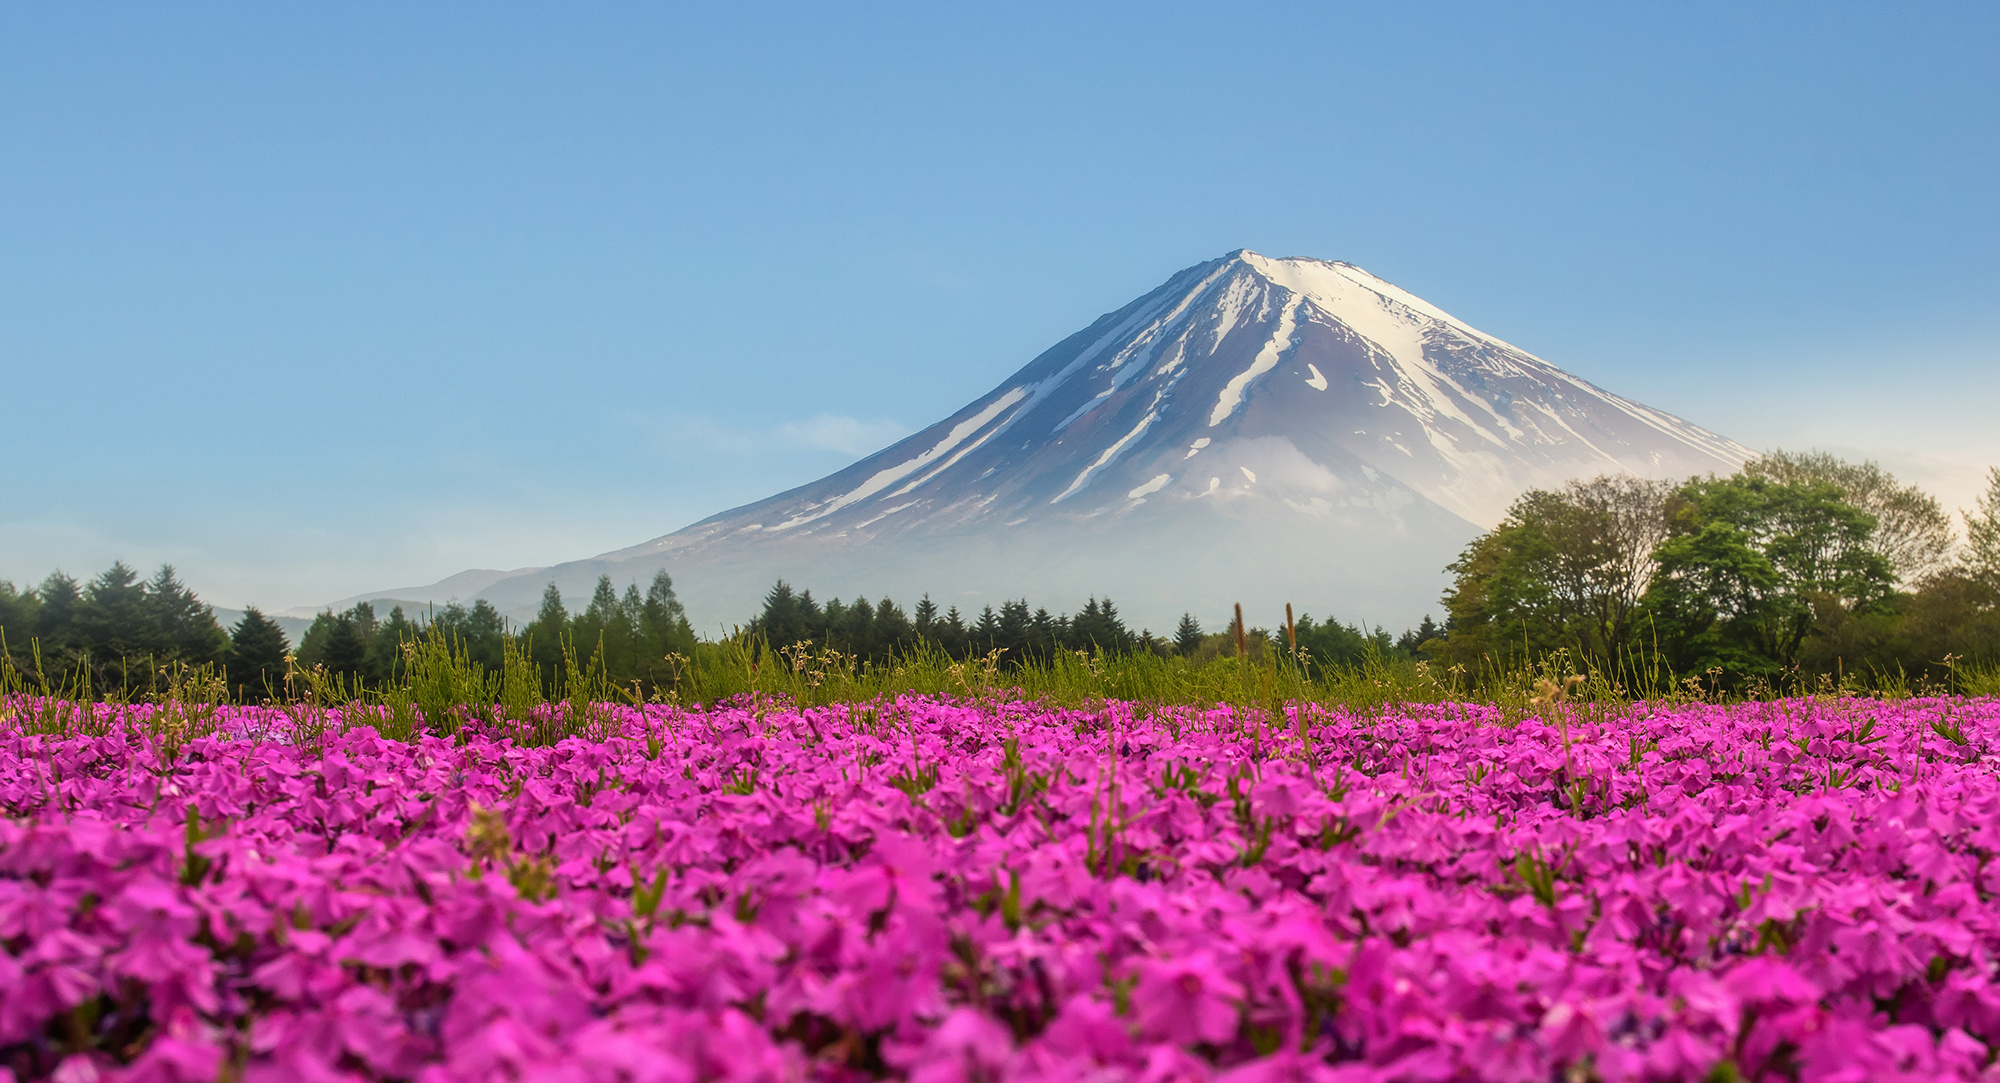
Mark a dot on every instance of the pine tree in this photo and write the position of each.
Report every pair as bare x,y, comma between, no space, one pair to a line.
952,634
1117,638
926,615
386,660
346,651
894,634
59,623
312,645
598,631
19,610
1097,627
667,638
117,629
663,620
548,633
481,632
1412,642
791,618
484,633
1012,634
338,643
985,633
855,631
257,650
1046,632
367,631
183,629
1187,638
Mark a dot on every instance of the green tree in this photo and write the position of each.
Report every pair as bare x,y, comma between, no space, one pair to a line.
343,644
852,627
664,629
59,619
481,632
184,629
1565,570
1746,564
984,634
789,617
346,651
386,660
548,634
1098,628
1982,533
1412,642
894,634
1912,531
1011,632
1331,643
952,634
257,650
607,631
116,624
19,610
1046,634
1187,637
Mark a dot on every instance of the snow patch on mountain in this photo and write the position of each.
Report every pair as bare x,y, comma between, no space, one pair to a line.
1265,361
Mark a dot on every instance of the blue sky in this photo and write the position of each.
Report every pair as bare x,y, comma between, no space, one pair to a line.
316,299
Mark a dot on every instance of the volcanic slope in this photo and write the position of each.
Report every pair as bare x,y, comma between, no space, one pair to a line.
1258,430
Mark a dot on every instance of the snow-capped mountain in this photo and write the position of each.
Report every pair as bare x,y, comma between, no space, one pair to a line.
1258,430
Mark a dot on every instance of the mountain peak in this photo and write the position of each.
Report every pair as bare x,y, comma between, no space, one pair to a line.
1254,428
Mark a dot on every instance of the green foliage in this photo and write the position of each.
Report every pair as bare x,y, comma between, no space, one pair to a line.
1982,534
546,635
1747,567
344,645
1780,577
1777,577
880,631
446,686
257,650
18,612
1331,643
64,648
1564,571
1912,531
1187,637
184,630
121,631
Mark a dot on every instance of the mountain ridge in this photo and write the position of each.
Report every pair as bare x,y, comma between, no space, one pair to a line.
1254,429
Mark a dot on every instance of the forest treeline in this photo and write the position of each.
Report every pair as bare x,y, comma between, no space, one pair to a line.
1796,567
1017,634
119,634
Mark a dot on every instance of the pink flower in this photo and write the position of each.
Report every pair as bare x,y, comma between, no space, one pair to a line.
1088,1029
1767,979
967,1046
176,1060
1289,1066
1186,1000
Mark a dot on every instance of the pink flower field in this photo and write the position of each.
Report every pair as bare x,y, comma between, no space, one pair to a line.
935,890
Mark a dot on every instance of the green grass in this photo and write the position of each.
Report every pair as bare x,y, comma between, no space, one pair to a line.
443,690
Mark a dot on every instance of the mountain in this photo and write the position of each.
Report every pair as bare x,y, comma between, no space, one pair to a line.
1257,430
